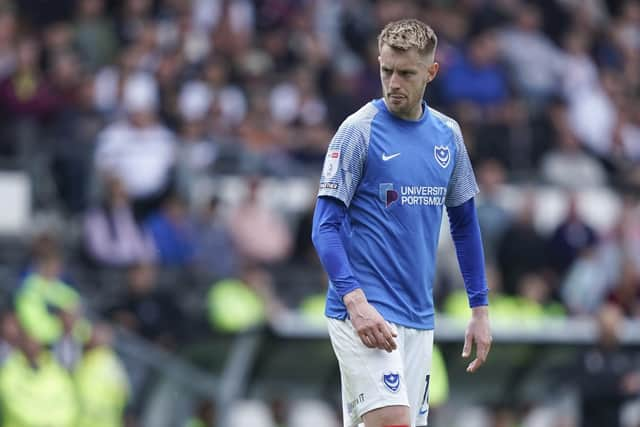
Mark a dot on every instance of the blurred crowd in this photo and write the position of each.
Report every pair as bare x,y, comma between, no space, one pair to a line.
119,110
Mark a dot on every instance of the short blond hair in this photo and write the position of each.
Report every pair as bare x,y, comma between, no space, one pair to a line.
408,33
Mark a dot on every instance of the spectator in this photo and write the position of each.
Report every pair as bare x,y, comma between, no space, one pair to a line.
147,310
567,165
535,63
173,233
133,17
229,100
214,250
626,292
477,78
73,141
198,151
94,34
8,27
585,285
236,305
612,368
101,382
260,234
68,348
113,237
139,150
65,74
42,297
521,249
46,397
259,133
493,217
569,239
9,334
581,74
26,93
593,113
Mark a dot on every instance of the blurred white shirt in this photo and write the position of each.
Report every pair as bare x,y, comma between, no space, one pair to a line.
141,157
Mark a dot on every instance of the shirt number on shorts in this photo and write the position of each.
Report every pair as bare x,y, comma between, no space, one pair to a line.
425,397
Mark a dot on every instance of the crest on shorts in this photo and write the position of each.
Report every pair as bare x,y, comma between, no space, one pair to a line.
442,155
391,381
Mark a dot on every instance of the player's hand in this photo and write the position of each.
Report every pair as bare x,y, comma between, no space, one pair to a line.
479,331
371,327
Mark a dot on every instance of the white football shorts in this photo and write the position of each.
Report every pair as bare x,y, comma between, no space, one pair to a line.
373,378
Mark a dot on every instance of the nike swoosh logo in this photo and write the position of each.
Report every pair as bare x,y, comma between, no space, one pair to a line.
387,158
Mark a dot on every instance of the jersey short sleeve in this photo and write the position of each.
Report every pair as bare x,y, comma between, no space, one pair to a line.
462,185
345,159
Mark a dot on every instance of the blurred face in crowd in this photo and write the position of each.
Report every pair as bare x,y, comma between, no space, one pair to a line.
142,279
50,266
66,70
404,75
9,328
28,54
136,8
7,27
609,321
101,336
91,8
529,18
484,49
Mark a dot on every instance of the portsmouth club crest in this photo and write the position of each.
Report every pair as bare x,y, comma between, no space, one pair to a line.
442,155
391,381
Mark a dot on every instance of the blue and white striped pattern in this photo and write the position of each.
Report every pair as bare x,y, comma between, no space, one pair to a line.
352,142
462,185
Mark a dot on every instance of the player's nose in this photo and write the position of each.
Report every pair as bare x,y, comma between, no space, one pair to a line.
394,82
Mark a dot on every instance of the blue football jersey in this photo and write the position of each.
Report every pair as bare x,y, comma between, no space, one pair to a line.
395,176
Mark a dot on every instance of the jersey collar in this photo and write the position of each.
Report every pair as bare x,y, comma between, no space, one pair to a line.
382,106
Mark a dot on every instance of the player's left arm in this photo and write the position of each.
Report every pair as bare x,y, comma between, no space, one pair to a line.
465,231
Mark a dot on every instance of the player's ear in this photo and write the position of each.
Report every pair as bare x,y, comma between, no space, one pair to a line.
432,71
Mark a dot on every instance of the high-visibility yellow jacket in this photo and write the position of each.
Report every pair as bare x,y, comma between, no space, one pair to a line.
102,388
42,397
34,301
234,307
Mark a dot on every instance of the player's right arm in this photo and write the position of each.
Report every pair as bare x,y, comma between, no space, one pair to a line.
341,174
371,327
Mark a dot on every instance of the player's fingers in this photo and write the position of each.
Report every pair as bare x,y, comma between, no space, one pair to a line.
473,366
366,340
381,341
394,330
388,337
466,349
482,348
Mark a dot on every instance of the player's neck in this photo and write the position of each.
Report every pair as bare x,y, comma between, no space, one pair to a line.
414,115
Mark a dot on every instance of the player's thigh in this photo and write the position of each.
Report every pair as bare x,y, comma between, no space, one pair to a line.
397,416
417,361
371,378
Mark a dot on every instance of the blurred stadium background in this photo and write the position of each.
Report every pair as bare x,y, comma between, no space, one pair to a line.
158,168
